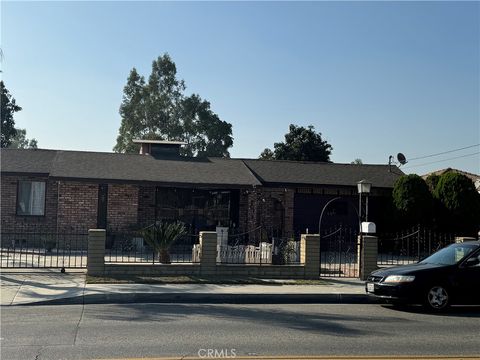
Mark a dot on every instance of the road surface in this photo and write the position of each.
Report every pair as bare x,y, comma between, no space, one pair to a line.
148,330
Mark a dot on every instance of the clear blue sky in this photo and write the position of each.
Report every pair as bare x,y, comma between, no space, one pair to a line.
375,78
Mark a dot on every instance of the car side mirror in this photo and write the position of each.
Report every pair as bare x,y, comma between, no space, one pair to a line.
473,261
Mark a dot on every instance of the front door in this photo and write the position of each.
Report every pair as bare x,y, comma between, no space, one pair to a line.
102,206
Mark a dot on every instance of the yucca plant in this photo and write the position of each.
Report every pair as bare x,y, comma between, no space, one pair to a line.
161,236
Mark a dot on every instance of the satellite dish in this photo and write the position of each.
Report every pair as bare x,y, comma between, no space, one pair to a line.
401,159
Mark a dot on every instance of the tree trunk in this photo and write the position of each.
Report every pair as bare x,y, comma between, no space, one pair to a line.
164,256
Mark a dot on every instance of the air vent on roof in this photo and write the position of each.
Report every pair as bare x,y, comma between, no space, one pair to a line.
160,148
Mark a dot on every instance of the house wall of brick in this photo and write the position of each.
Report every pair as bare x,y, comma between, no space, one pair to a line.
269,207
122,207
11,222
146,205
77,206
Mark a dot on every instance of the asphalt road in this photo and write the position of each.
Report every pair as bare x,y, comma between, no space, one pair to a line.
147,330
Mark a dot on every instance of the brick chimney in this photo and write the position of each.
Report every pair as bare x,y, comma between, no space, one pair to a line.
160,149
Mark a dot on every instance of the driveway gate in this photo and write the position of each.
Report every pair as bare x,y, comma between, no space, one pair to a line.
43,250
339,250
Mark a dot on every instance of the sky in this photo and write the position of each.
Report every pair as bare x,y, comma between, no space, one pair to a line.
375,78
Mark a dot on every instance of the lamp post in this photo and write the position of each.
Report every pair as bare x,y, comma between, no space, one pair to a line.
363,187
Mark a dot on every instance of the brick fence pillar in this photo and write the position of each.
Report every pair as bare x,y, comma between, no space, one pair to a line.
310,255
96,252
208,259
368,255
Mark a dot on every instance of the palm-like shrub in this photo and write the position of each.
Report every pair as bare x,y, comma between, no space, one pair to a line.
162,236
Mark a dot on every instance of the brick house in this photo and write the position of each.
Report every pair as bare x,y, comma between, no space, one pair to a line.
63,191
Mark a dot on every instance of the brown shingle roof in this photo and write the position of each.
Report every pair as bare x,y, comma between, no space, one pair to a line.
127,167
315,173
211,171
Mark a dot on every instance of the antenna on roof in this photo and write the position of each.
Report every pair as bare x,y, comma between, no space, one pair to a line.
401,159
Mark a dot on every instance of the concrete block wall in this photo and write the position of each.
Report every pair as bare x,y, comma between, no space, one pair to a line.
208,266
152,270
208,257
310,255
96,252
368,255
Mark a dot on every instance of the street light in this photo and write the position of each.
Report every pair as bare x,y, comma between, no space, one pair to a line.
363,187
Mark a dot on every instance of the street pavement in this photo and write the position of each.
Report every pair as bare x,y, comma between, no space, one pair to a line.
103,331
53,287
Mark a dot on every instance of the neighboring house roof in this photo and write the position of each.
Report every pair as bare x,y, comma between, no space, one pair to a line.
211,171
312,173
474,177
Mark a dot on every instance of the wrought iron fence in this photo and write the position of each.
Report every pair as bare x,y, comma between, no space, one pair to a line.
43,250
258,246
131,247
411,245
339,250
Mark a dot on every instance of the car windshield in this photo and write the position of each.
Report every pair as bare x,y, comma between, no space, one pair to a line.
449,255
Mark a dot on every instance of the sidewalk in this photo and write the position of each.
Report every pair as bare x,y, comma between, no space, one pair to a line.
44,287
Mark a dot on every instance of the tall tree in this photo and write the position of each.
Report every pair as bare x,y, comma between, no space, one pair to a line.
159,110
8,108
133,112
203,131
20,141
301,144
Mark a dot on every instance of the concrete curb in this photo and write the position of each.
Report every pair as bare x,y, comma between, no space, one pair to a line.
205,298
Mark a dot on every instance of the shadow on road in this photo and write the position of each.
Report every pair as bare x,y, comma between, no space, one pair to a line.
455,311
321,323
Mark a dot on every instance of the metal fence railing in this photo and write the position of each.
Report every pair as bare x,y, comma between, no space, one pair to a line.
131,247
258,246
43,250
411,245
339,250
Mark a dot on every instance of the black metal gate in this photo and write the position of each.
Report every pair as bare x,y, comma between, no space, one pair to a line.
43,250
339,253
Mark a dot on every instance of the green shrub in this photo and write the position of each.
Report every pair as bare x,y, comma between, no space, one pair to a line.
413,200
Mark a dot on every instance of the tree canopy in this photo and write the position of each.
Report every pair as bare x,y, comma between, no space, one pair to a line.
8,108
457,194
449,202
301,144
412,199
20,141
158,109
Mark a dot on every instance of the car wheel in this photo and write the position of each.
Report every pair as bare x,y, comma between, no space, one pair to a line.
437,298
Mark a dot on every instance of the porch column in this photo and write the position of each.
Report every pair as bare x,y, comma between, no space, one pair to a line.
96,252
208,259
310,255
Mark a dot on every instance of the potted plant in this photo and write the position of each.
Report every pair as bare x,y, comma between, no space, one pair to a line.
161,236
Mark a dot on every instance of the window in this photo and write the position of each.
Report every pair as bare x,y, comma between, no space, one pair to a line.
31,198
